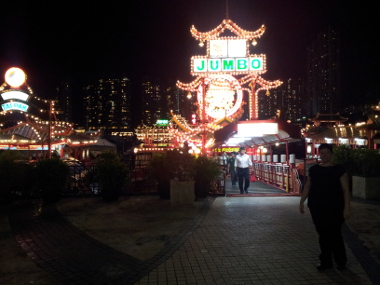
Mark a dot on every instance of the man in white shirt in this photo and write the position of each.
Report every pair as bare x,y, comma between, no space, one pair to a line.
243,164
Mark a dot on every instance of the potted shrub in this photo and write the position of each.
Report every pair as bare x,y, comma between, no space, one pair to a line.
172,171
13,175
344,155
363,166
366,178
111,175
160,171
182,185
51,175
206,172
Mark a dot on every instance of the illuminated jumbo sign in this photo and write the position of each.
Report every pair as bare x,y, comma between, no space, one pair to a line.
226,65
228,56
15,106
22,96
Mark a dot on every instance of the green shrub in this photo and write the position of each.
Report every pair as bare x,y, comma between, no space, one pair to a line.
368,162
170,165
111,175
12,175
344,155
359,162
206,172
51,175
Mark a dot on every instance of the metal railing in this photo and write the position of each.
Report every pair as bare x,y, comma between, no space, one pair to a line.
82,181
280,175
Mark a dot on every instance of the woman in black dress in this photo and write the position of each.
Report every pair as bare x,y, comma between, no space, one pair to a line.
328,198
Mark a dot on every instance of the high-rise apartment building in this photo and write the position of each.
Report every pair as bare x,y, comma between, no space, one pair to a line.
152,101
184,103
288,101
158,99
108,104
323,74
268,104
64,102
293,100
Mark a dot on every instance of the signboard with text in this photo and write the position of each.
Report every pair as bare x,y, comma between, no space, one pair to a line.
228,56
202,65
15,106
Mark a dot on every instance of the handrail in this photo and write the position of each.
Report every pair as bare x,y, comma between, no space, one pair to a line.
278,174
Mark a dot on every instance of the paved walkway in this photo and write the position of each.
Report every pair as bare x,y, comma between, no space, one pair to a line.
233,240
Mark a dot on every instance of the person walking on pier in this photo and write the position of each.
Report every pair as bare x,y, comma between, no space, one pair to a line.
231,167
328,198
243,164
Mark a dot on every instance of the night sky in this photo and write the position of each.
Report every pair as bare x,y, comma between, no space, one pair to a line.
54,40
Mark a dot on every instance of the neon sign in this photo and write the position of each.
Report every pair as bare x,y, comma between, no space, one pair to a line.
243,65
162,122
226,149
15,95
15,106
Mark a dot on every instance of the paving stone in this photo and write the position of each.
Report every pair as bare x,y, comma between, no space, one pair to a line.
245,239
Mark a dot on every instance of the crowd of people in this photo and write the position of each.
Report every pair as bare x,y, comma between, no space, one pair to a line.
237,166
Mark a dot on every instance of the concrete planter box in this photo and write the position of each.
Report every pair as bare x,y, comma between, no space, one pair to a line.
182,192
366,187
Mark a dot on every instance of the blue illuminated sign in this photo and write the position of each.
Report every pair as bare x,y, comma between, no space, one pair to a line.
15,106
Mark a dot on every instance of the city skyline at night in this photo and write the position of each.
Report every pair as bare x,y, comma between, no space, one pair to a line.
53,42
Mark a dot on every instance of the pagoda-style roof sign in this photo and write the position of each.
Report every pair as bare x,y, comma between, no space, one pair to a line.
328,118
219,92
230,25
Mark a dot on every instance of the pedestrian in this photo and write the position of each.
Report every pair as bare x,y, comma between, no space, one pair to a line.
223,162
243,164
231,168
328,198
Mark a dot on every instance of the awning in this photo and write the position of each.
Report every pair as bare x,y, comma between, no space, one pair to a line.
229,135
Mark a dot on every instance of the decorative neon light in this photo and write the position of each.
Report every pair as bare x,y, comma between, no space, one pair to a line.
15,77
223,96
15,106
230,25
15,95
